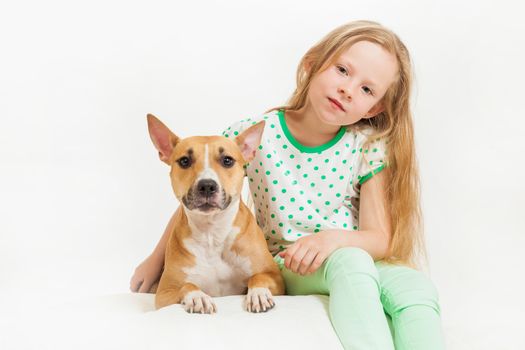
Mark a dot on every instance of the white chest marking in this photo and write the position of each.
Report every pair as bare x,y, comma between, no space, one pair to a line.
218,271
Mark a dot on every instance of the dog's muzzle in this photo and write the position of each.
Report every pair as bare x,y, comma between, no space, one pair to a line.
206,196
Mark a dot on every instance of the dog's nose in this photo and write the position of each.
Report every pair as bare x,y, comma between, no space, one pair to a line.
207,187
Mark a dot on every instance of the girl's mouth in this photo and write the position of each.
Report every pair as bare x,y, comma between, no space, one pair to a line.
336,104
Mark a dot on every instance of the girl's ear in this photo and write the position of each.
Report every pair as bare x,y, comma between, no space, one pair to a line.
378,108
307,63
307,66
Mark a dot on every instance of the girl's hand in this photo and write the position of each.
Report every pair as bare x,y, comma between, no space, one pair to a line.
308,253
146,274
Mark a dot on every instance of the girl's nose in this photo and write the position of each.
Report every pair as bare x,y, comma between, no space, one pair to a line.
345,91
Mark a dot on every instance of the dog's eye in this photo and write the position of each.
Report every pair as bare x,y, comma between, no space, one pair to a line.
184,162
227,162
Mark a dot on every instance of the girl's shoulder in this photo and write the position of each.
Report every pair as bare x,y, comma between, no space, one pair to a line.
364,136
270,117
370,154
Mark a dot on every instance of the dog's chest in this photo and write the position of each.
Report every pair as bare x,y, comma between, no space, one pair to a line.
218,271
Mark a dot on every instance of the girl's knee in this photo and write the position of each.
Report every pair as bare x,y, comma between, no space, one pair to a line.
351,260
408,289
353,255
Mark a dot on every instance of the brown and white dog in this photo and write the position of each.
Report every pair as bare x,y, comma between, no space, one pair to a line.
216,247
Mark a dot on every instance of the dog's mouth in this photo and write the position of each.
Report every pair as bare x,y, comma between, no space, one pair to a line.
206,204
207,207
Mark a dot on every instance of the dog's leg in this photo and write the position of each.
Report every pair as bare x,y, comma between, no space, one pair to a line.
167,293
189,296
260,289
167,296
195,300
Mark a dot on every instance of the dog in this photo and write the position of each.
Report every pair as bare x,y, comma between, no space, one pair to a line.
216,247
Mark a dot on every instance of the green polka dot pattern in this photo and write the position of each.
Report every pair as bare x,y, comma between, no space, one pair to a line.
299,190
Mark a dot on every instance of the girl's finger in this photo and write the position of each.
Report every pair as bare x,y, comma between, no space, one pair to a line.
145,286
316,264
135,284
288,253
307,261
296,259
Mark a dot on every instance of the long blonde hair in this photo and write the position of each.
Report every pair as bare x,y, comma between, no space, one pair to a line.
394,124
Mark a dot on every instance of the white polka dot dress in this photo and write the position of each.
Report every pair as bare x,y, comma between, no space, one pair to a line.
299,190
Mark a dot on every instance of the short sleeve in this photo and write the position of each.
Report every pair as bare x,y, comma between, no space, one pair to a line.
238,127
371,160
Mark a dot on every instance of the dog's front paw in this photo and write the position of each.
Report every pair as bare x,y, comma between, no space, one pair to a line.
198,302
259,300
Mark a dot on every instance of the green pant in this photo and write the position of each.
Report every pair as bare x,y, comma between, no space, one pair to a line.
366,296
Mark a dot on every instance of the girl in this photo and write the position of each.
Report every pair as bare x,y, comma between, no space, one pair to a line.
335,188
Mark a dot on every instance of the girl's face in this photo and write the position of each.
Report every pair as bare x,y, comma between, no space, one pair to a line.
352,86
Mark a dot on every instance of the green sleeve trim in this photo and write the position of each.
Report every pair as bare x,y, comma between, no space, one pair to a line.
370,174
307,149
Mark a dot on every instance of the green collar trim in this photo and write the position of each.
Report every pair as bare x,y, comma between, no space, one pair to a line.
303,148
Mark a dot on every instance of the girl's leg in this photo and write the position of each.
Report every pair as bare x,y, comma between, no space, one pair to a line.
411,300
352,281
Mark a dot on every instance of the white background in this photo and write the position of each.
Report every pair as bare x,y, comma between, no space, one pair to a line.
84,198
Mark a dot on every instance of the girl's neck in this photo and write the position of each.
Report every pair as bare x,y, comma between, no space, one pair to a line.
307,129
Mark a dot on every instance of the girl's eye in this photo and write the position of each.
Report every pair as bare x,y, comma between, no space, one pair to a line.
342,70
367,90
184,162
227,161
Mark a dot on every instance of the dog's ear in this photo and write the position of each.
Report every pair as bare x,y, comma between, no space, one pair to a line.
249,140
163,139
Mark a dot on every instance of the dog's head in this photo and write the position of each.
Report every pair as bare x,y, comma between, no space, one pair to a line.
206,171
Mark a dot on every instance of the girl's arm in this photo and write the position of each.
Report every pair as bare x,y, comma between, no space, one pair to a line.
374,219
149,271
308,253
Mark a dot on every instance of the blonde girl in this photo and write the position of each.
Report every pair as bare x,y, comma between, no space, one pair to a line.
336,192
